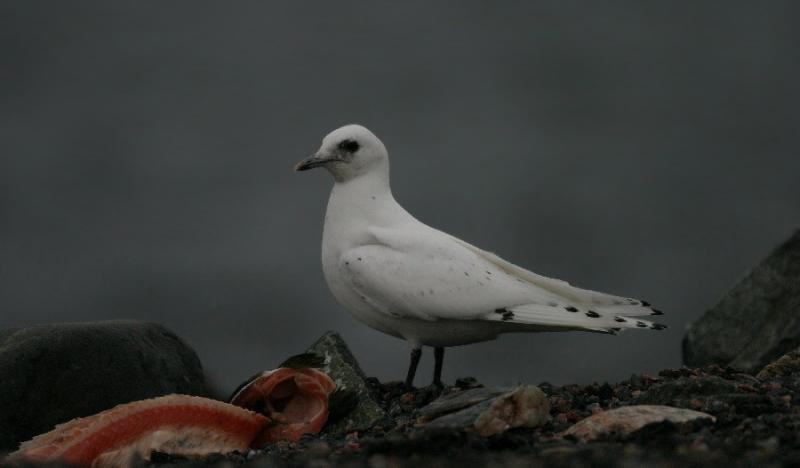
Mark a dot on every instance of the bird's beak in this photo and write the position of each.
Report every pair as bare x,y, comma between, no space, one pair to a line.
312,162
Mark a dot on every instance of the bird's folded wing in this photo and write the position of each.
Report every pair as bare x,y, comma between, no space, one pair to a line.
424,274
418,285
430,275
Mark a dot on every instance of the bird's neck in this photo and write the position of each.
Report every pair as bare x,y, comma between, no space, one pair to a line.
367,199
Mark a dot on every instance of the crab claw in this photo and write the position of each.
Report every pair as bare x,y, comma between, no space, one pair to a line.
295,400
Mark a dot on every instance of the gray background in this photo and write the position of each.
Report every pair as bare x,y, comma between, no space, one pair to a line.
642,148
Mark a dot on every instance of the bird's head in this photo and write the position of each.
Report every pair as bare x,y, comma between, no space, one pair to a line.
349,152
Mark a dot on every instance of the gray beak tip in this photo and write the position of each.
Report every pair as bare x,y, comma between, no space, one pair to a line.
306,164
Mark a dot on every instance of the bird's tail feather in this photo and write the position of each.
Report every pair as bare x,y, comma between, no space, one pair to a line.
581,317
572,307
573,295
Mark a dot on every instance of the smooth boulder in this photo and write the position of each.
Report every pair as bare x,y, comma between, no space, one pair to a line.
757,320
50,374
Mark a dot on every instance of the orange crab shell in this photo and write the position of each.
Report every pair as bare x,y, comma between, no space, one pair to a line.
294,400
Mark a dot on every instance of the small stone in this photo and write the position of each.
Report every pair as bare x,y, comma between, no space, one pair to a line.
629,419
595,408
747,388
573,416
407,398
560,404
319,448
351,443
465,383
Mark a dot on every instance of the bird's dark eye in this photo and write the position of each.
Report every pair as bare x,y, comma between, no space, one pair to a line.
351,146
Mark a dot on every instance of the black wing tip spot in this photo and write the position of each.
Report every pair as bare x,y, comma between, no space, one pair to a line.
592,314
645,304
506,314
659,326
571,309
619,319
657,312
641,324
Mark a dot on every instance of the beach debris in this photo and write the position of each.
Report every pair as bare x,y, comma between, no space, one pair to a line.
523,406
294,397
456,401
175,424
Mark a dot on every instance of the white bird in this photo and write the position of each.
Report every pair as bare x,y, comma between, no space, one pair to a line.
414,282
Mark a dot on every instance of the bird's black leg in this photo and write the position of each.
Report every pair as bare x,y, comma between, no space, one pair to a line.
438,354
416,353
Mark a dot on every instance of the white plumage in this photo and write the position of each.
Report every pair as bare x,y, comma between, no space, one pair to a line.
415,282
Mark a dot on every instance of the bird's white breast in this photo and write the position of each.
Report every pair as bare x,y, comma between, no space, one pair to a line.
352,209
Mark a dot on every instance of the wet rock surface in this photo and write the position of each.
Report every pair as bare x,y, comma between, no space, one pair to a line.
756,321
342,367
757,423
50,374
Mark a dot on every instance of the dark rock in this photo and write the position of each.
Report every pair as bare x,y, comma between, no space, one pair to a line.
729,400
524,406
756,321
627,420
681,391
50,374
785,366
343,368
467,382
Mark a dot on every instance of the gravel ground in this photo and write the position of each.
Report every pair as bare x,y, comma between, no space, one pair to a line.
757,424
